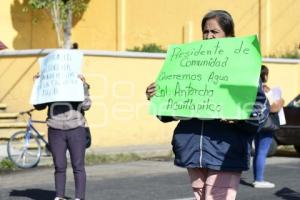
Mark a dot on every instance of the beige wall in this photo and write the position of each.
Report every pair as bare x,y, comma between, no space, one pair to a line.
119,115
286,76
280,25
122,24
170,21
13,22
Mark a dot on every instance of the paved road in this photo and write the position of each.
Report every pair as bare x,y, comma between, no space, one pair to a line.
147,180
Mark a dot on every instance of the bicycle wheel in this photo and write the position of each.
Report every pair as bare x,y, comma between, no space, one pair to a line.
24,150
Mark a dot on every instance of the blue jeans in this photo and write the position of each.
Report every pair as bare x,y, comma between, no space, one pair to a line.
73,140
262,143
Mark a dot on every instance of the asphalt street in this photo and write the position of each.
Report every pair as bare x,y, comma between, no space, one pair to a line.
147,180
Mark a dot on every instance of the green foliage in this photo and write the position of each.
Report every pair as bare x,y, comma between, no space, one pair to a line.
151,48
6,164
77,6
40,4
92,159
294,53
62,13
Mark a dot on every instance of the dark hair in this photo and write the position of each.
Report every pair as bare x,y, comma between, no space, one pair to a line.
75,45
263,73
224,20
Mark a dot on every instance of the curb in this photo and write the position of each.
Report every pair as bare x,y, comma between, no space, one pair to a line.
144,151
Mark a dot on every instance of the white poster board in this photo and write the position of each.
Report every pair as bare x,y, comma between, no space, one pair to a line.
276,94
58,80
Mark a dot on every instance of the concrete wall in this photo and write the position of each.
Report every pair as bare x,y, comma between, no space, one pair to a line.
279,26
119,115
285,74
122,24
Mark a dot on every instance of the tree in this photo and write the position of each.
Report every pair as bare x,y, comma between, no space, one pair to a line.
62,13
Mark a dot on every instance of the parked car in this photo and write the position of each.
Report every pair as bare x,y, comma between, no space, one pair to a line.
288,134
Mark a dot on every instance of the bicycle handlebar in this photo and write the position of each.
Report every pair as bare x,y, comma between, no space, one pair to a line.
28,112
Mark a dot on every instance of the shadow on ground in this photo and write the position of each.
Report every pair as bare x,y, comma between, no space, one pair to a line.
243,182
34,194
288,194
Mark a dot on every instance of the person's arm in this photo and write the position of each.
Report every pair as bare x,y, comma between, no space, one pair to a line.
259,114
40,106
166,119
261,107
87,102
277,105
150,91
43,105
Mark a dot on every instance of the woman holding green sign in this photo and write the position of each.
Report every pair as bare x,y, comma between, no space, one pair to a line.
215,152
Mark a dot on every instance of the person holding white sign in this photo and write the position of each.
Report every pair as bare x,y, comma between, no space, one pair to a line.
59,88
216,151
264,139
66,131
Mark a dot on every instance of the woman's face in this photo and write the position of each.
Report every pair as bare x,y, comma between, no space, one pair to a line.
212,30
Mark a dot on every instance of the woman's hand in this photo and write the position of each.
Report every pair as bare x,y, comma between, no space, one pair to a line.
36,76
277,105
81,78
150,91
227,121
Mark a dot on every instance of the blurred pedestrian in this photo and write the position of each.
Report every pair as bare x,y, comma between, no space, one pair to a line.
263,139
66,132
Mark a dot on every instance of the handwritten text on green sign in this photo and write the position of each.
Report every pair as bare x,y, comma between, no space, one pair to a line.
209,79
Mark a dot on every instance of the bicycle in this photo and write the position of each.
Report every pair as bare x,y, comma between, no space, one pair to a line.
24,148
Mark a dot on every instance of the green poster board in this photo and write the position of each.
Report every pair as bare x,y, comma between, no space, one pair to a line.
209,79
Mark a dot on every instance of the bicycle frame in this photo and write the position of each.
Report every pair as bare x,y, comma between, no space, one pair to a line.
24,147
31,127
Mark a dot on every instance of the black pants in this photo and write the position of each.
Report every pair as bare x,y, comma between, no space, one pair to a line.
73,140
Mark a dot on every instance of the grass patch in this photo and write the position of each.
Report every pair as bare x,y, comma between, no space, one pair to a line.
168,157
150,48
92,158
95,158
6,165
289,53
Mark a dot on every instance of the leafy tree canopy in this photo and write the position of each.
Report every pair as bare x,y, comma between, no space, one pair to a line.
62,12
76,6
